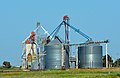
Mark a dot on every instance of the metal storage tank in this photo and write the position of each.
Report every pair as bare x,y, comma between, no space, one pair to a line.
56,57
90,56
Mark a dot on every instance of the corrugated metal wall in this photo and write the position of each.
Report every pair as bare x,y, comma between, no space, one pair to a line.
53,57
57,55
90,56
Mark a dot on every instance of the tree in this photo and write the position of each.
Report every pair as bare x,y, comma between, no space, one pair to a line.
116,63
110,61
6,64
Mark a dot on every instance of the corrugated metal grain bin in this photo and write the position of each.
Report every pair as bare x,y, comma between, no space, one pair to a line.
56,57
90,56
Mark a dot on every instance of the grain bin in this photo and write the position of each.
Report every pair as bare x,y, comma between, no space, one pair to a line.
56,56
90,56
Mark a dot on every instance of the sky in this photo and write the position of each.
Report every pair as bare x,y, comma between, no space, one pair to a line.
99,19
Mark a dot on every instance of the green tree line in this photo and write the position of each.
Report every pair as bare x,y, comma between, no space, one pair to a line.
116,63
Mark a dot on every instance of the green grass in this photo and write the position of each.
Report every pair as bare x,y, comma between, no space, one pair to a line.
10,69
72,73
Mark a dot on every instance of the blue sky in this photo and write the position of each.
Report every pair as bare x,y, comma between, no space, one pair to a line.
100,19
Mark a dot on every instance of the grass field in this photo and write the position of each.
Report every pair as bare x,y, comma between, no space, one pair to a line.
71,73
